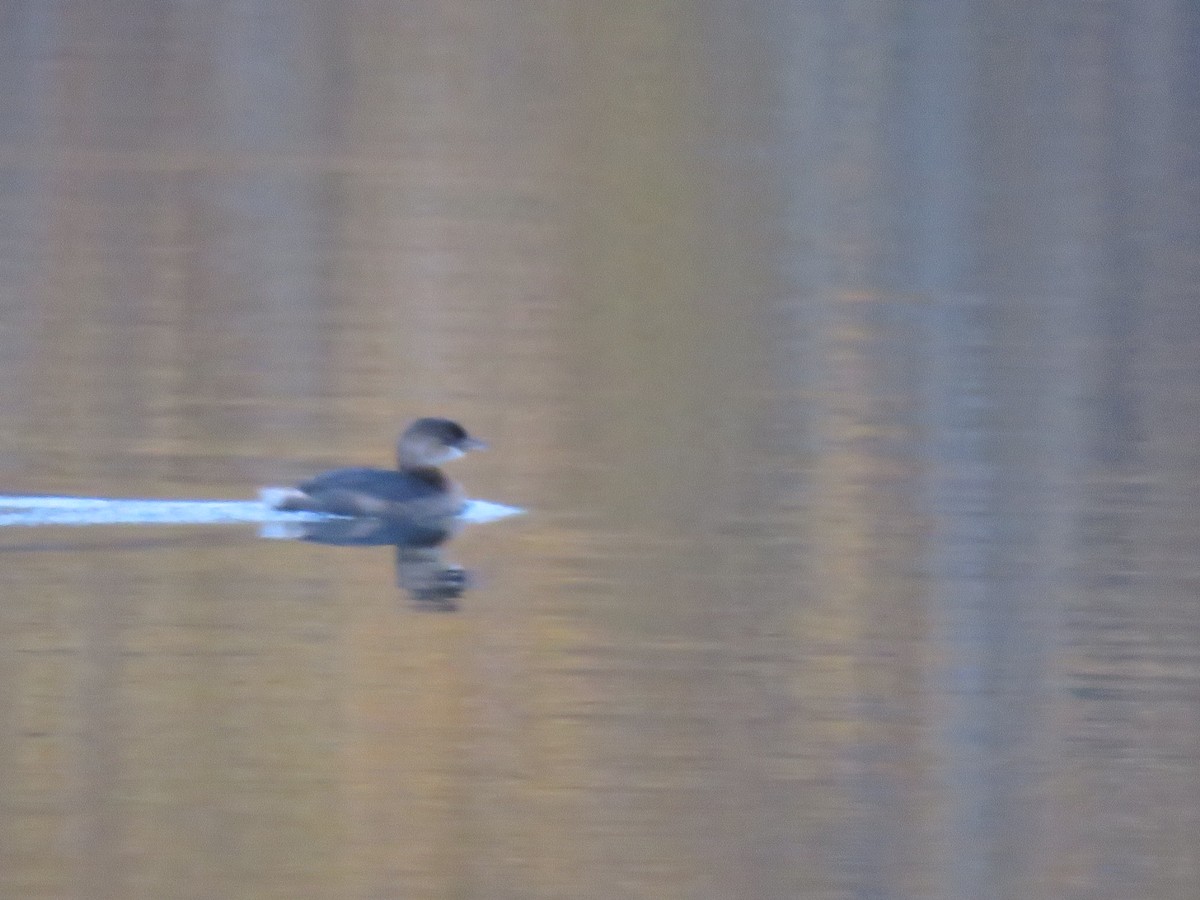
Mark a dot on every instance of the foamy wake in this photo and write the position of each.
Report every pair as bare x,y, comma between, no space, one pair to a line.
21,510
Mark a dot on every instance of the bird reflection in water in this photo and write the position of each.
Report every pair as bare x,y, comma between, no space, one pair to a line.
420,568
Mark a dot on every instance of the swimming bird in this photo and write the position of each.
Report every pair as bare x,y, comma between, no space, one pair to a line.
416,492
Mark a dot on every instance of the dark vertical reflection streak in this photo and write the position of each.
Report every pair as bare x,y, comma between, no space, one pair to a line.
99,784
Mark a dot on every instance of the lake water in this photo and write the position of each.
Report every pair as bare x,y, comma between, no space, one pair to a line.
846,357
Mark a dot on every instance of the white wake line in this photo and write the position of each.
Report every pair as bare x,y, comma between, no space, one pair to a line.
26,511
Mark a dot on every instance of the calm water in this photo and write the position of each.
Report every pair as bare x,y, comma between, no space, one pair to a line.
847,356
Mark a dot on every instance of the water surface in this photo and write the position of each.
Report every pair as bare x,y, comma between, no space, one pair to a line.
845,358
